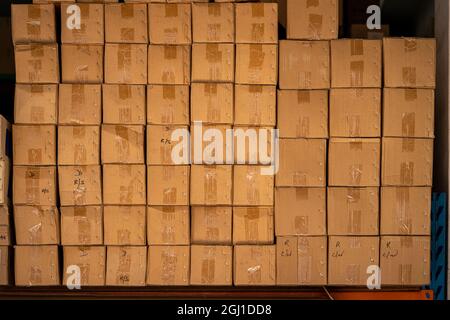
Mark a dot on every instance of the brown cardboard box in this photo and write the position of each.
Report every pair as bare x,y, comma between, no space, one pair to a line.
123,144
209,144
301,261
34,145
37,63
168,265
354,162
213,22
81,225
255,105
408,113
349,258
168,225
35,104
211,225
405,210
90,260
409,62
126,23
211,185
126,63
36,266
254,265
302,163
80,185
253,225
92,25
168,185
5,226
124,184
168,104
256,64
353,211
407,162
124,225
169,23
252,188
355,112
33,23
160,144
256,23
212,62
78,145
5,138
300,211
36,225
303,113
356,63
82,63
212,103
211,265
5,173
295,74
405,260
126,266
169,64
5,266
34,185
80,104
123,104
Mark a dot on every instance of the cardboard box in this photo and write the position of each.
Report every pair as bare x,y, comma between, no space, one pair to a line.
124,184
5,138
356,63
5,274
409,62
407,162
254,265
5,173
37,63
169,64
169,23
34,145
295,73
5,226
353,211
34,185
123,104
213,22
211,185
124,225
253,225
252,188
405,211
90,260
80,185
301,261
408,113
92,24
126,63
81,226
168,105
256,64
212,103
303,113
36,104
256,23
209,144
36,225
300,211
80,104
211,265
255,105
211,225
168,185
78,145
405,260
168,225
126,23
122,144
126,266
82,63
302,163
354,162
355,112
349,258
160,144
36,266
212,62
33,23
168,265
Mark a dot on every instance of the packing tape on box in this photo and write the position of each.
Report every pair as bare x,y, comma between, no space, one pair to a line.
410,94
302,127
169,192
83,224
213,110
407,173
124,268
36,88
124,62
35,272
301,224
409,73
168,221
34,20
171,10
126,189
32,185
357,73
210,185
257,10
169,92
127,11
403,216
82,70
78,101
257,32
122,142
213,54
256,59
353,124
251,177
251,224
125,92
208,265
315,22
214,9
165,146
169,261
408,145
408,124
123,233
35,231
299,178
79,147
170,52
312,3
79,186
211,221
36,50
254,272
304,260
